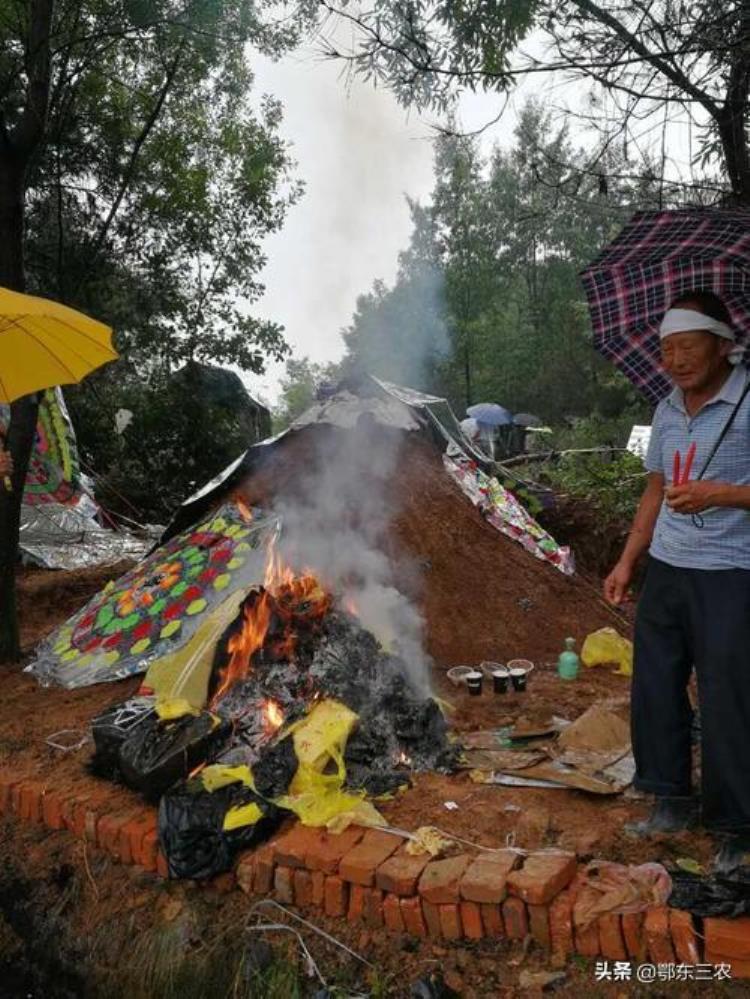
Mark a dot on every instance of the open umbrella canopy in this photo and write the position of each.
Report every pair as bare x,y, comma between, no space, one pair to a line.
490,413
43,343
656,258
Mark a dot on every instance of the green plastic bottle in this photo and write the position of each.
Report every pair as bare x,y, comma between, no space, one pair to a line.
568,663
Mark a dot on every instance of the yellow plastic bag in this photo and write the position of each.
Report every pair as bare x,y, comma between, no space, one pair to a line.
316,792
606,646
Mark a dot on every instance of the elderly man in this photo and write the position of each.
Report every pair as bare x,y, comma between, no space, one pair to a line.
694,609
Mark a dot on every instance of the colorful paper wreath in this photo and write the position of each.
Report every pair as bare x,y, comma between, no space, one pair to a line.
155,606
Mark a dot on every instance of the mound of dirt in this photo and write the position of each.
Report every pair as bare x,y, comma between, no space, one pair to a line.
482,595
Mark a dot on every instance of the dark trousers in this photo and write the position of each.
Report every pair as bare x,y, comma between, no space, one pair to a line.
694,618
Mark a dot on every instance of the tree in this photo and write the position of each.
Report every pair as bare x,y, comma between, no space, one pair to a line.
652,58
114,120
299,387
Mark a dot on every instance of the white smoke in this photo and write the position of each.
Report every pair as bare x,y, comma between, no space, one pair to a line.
338,525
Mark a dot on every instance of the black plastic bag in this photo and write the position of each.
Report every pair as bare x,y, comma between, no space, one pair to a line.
191,831
273,772
158,754
111,728
715,895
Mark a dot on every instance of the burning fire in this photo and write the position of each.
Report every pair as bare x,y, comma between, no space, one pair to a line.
403,760
271,616
247,513
273,716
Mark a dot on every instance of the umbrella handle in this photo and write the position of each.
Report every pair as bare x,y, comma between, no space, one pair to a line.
6,478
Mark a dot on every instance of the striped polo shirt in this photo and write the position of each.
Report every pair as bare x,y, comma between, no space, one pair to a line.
723,542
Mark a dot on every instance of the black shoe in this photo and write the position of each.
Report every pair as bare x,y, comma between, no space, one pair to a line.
668,815
733,852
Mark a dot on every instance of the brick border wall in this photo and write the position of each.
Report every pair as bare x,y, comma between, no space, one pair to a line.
366,876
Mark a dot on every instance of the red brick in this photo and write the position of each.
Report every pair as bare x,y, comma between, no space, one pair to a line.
374,907
450,921
658,937
684,940
283,886
635,938
361,862
318,887
336,896
611,942
471,920
392,915
539,925
131,834
485,878
290,849
414,923
263,870
356,911
728,937
92,812
492,920
542,876
15,797
51,809
302,888
138,833
432,919
561,924
245,871
108,832
32,793
162,869
326,852
7,782
587,940
739,968
399,874
149,849
440,880
515,919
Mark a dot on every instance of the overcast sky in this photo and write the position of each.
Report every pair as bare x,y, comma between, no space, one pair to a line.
359,154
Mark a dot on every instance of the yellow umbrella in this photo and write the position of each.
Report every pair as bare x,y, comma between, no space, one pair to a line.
43,343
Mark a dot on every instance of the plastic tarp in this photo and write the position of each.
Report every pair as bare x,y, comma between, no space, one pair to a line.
156,607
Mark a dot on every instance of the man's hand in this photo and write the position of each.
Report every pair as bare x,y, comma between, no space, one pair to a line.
695,496
617,582
6,464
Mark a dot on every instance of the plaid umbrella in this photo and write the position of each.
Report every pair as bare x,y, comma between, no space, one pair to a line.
657,257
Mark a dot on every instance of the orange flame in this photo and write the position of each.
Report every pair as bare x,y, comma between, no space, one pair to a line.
245,511
285,600
273,716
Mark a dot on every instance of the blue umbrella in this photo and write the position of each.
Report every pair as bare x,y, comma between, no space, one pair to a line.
491,414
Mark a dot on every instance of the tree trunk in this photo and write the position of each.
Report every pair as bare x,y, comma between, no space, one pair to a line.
23,412
736,153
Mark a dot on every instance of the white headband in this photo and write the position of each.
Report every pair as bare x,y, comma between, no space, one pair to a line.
687,320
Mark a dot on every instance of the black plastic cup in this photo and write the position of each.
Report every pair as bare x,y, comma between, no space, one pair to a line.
500,682
474,683
518,679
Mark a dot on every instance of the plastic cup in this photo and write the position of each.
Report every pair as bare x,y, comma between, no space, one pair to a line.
474,683
518,679
500,681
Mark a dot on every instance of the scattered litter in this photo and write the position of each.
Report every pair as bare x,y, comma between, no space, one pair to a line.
714,895
432,986
690,865
606,647
597,730
609,887
544,980
428,839
512,808
450,805
68,739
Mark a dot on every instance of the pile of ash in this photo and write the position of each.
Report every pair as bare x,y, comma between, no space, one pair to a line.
331,656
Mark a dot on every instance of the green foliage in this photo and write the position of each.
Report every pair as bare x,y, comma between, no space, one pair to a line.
158,176
610,485
299,387
487,304
178,439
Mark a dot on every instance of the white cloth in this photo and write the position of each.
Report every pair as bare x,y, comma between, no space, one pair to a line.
470,428
688,320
